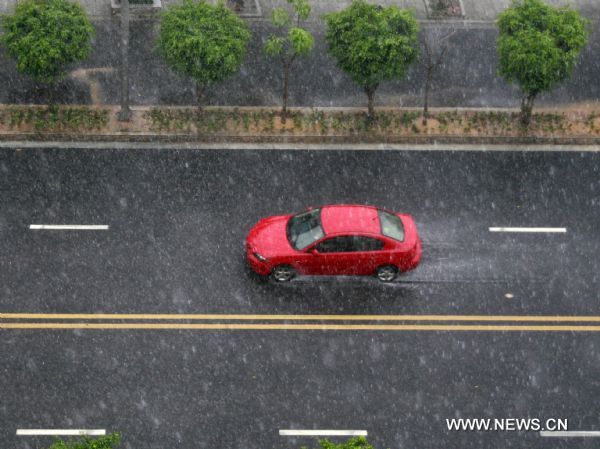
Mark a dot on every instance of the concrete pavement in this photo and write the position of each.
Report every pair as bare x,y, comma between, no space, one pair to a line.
467,78
488,10
470,10
473,10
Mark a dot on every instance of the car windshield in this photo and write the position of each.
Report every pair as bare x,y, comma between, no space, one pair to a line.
391,225
305,228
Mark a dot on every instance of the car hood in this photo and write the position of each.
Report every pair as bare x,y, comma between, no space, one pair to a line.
268,237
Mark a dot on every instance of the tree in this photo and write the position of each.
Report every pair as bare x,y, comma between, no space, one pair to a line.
435,50
125,112
352,443
296,42
372,44
538,46
45,36
206,42
105,442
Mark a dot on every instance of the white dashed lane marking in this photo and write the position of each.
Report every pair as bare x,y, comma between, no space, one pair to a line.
570,433
56,432
543,230
323,433
70,227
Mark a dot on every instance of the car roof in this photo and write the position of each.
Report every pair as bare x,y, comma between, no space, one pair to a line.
350,219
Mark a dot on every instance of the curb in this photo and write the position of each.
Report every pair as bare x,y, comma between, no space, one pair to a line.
304,139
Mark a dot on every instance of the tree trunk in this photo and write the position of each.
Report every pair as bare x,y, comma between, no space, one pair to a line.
428,76
370,91
286,73
50,90
199,95
527,108
125,112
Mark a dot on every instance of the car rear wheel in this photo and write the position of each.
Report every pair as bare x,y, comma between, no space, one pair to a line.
283,273
387,273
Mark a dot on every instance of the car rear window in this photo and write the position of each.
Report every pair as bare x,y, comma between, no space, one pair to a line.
391,225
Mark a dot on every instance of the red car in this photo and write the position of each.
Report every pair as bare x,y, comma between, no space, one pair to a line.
334,240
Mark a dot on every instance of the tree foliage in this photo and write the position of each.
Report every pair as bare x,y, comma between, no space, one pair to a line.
291,42
538,46
372,44
297,41
352,443
205,42
105,442
432,58
45,36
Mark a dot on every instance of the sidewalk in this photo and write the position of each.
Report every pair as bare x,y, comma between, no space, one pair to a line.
471,10
467,77
488,10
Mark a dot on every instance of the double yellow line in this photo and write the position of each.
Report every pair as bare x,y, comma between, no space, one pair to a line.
499,323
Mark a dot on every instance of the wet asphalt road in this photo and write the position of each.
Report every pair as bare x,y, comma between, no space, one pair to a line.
177,221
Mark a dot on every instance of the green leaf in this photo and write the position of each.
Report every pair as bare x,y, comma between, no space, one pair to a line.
539,44
105,442
45,37
352,443
302,8
274,46
206,42
302,41
280,17
371,43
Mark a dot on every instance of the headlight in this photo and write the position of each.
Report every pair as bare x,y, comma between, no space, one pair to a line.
259,257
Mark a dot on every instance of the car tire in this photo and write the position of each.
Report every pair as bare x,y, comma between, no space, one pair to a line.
283,273
386,273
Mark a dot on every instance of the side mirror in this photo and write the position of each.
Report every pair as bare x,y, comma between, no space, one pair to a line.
314,251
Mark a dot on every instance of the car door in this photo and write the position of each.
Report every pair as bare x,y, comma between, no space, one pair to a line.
369,255
330,256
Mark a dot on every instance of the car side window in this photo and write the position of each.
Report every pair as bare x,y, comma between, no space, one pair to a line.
367,244
349,244
341,244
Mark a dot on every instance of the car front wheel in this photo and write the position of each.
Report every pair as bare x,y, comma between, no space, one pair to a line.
387,273
283,273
